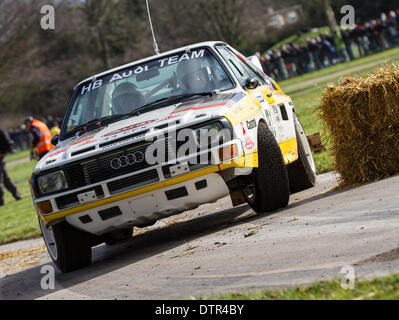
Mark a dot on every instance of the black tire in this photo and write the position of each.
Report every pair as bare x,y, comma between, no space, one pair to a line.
269,187
302,173
69,248
118,236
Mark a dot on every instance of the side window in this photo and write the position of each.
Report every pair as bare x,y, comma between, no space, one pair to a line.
238,71
248,69
239,67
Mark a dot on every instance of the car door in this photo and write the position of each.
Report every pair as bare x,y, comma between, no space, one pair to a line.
243,73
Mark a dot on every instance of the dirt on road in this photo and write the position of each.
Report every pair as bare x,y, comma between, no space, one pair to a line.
218,249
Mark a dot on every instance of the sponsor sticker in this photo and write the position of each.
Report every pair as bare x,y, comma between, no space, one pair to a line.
249,144
251,124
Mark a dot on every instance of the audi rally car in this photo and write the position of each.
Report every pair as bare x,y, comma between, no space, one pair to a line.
164,135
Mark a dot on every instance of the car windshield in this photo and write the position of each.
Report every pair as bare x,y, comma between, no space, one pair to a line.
147,84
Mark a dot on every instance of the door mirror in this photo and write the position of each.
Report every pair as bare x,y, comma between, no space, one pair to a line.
55,139
251,83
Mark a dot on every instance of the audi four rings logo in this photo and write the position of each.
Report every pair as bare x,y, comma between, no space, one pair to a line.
128,160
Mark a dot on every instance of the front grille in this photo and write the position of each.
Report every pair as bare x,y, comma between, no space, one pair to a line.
98,168
71,200
133,182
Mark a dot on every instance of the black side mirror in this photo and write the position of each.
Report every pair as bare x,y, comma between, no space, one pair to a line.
55,139
251,83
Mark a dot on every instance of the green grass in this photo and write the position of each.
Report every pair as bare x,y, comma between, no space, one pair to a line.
379,289
18,219
18,155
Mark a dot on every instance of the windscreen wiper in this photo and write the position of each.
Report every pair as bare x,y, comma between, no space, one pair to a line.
83,128
168,99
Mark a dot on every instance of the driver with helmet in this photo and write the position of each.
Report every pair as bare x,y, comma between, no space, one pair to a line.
192,77
126,98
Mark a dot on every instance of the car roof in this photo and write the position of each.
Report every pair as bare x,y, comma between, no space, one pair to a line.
193,46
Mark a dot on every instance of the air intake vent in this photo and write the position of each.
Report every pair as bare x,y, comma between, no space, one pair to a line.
284,114
109,213
170,124
82,151
123,138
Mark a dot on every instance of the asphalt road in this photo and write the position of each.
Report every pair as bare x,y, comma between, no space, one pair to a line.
217,249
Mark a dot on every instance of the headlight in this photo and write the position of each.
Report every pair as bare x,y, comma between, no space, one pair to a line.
211,134
52,182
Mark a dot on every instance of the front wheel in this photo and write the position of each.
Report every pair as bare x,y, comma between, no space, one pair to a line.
69,248
268,189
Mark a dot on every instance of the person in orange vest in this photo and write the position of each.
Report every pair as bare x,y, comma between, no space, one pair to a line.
41,136
5,181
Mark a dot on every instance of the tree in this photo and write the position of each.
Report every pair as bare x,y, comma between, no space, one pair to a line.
316,11
332,22
223,18
112,27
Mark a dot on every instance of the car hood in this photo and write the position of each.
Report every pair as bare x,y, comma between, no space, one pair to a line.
135,128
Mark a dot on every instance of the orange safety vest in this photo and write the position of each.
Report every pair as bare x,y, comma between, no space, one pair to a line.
44,144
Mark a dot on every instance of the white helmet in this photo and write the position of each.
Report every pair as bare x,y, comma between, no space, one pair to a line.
192,76
126,98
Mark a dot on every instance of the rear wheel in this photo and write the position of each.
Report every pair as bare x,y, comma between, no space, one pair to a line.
268,189
69,248
302,172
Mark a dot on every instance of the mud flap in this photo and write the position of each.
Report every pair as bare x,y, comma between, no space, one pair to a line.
237,198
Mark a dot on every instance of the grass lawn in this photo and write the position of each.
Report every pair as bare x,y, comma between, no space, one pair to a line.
18,155
379,289
18,219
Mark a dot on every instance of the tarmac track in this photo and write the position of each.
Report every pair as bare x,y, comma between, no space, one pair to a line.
217,249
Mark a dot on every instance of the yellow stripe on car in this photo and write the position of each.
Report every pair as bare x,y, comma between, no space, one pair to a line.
289,149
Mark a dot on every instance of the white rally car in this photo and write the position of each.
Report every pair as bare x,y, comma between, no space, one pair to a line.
164,135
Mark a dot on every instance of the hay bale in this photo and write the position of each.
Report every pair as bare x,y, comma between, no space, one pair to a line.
361,118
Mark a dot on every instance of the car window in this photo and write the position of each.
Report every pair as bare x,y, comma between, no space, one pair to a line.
121,92
238,66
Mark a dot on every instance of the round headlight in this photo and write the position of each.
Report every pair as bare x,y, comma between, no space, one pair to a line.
52,182
209,135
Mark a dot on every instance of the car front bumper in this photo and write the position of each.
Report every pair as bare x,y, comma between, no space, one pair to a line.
151,206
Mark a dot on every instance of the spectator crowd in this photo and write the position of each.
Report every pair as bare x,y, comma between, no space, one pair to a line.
21,136
329,49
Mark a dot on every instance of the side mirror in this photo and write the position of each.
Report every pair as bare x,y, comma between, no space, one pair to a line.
55,139
251,83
